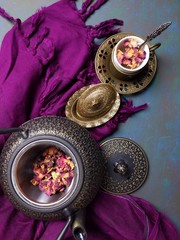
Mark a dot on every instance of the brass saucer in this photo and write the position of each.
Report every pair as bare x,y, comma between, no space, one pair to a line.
126,166
93,105
107,73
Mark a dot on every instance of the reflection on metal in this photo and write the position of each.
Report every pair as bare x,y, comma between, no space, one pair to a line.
121,167
78,226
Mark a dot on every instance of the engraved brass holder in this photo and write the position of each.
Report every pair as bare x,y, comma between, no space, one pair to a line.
126,166
107,73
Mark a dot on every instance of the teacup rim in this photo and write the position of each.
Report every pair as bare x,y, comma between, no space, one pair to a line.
142,65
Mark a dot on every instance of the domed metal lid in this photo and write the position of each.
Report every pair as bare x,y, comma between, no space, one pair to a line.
126,166
93,105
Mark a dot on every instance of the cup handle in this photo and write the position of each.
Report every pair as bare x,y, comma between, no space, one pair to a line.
154,47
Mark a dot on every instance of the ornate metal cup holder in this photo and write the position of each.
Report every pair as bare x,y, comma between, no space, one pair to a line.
107,73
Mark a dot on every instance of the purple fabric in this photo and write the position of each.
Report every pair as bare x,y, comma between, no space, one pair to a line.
43,61
121,218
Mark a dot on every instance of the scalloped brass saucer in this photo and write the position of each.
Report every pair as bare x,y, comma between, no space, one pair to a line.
93,105
126,166
107,73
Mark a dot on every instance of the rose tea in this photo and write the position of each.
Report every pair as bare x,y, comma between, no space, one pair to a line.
53,171
129,55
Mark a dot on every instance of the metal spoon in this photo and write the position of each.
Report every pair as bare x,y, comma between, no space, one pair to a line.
155,33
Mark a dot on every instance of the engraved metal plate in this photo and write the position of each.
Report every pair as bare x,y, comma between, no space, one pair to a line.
126,166
107,73
93,105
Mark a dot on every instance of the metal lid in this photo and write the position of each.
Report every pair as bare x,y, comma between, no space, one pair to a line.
93,105
126,166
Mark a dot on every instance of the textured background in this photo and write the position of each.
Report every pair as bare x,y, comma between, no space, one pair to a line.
156,129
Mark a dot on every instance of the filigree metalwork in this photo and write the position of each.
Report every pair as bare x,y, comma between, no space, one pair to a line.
107,73
81,142
93,105
123,151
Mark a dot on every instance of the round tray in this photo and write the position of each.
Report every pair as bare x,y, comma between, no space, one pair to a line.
107,73
126,166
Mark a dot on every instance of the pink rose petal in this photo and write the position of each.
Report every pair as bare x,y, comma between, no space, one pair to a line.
53,171
131,57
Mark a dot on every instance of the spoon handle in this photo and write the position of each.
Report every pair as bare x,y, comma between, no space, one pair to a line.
156,32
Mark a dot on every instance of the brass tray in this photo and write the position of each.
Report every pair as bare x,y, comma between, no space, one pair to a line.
93,105
107,73
126,166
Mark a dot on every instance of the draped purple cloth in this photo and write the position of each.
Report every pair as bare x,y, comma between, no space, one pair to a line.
43,61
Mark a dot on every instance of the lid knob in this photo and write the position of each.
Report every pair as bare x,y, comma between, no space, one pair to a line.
121,167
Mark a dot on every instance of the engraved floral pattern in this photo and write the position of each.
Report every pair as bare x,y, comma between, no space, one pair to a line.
136,160
74,134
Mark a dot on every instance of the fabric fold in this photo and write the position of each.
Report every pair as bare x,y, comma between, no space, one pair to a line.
4,14
85,12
